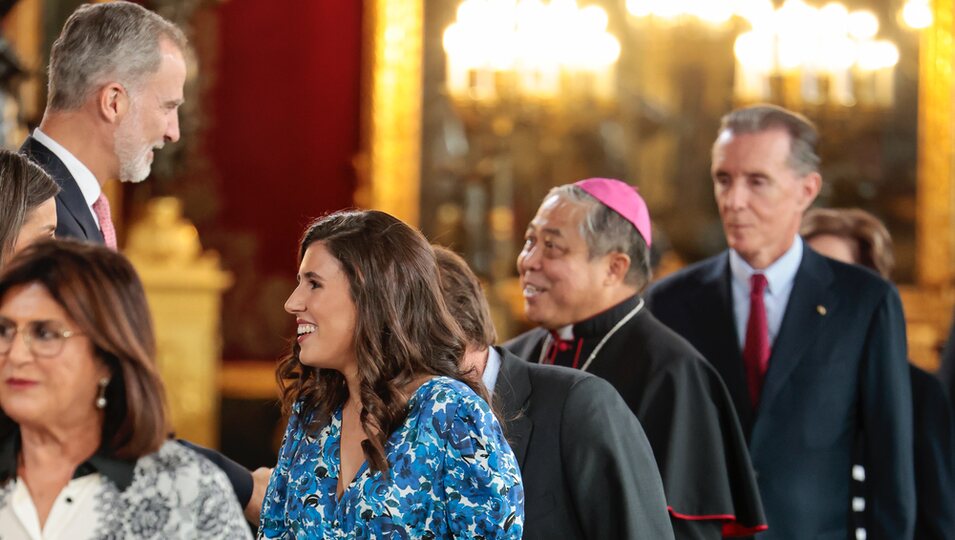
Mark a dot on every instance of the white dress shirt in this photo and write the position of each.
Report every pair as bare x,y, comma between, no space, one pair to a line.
491,369
779,277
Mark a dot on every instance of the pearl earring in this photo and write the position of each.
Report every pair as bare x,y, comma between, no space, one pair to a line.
101,397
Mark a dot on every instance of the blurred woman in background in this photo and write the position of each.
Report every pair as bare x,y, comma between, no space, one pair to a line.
855,236
27,204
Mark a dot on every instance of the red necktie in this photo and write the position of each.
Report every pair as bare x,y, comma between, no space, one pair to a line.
101,209
756,350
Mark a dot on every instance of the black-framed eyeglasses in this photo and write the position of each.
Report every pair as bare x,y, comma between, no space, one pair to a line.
42,338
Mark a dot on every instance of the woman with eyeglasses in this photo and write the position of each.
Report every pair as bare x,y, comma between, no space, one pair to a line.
83,433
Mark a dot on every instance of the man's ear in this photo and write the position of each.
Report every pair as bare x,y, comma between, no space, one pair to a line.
618,264
811,184
113,102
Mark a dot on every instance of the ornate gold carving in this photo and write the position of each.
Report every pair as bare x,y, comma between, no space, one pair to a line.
936,189
928,305
184,288
23,29
389,169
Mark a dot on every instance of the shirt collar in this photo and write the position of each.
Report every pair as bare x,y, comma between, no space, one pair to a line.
780,272
118,471
491,369
85,179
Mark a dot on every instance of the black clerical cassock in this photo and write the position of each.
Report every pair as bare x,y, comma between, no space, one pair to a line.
684,408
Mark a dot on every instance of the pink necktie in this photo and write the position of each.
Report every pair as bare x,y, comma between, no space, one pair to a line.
101,209
756,349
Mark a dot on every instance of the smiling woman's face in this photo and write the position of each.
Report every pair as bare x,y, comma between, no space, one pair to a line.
324,312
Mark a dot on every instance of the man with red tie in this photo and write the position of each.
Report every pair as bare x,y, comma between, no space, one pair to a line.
116,81
812,350
584,262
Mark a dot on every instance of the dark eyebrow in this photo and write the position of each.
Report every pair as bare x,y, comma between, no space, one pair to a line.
41,322
312,275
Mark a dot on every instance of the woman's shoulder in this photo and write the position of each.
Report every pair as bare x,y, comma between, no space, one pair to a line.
171,456
178,481
177,461
443,401
440,391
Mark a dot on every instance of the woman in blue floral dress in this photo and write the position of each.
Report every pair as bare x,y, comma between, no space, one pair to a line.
387,437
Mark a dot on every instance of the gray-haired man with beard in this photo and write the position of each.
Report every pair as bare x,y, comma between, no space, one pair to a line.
116,81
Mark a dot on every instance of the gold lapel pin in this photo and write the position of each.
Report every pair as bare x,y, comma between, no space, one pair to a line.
821,310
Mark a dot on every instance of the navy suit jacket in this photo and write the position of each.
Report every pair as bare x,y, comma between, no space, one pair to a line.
587,467
838,369
73,216
946,371
934,458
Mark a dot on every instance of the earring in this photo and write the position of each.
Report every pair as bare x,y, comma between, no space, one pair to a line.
101,396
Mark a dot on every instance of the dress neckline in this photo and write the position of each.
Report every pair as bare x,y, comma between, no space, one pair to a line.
337,423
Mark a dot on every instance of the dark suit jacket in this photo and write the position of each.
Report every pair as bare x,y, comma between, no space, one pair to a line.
838,368
934,459
73,216
689,420
946,371
587,467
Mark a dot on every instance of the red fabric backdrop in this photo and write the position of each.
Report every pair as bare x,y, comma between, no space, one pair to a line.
285,116
283,128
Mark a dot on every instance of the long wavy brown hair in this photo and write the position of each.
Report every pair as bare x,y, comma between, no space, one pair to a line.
403,329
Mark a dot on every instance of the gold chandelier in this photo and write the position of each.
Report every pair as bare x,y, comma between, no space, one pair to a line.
798,54
501,50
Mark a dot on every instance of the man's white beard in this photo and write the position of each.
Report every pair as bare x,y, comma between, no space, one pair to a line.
132,153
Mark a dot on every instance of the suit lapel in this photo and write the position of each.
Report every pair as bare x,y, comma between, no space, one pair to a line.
70,197
800,322
512,390
715,309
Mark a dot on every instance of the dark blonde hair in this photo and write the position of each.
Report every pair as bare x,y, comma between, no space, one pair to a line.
403,329
101,293
23,187
871,242
463,295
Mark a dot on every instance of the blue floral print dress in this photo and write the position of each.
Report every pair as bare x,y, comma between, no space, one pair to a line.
452,475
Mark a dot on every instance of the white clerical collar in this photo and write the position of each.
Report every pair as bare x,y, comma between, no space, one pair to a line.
778,274
491,369
566,332
85,179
